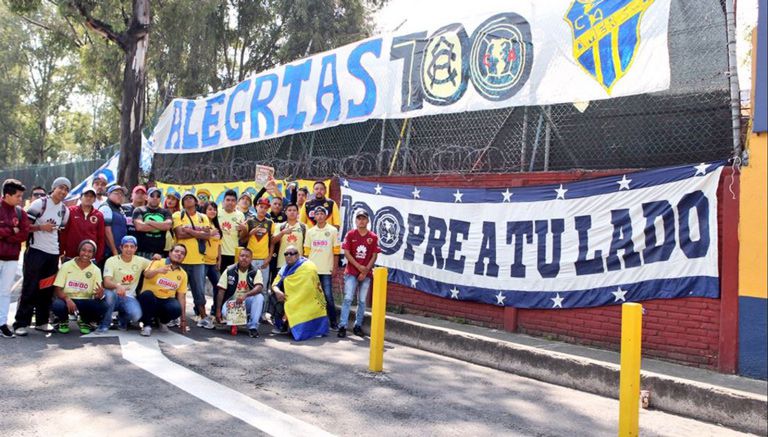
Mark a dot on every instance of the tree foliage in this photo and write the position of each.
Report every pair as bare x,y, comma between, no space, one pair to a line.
61,78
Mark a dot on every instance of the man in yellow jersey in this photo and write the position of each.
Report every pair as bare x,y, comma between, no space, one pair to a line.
193,230
322,247
308,212
121,277
242,284
165,291
231,221
77,289
258,234
290,233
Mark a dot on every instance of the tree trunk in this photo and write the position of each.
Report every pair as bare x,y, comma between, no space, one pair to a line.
132,105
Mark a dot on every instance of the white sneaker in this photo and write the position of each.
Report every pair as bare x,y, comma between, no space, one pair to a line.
207,323
45,328
163,327
146,331
174,323
21,331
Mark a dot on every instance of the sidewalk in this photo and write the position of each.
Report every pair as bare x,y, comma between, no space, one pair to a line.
733,401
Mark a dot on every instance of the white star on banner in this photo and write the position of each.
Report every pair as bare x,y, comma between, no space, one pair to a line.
619,295
560,192
624,183
454,292
414,281
457,196
507,195
377,188
701,169
558,301
346,183
416,193
500,298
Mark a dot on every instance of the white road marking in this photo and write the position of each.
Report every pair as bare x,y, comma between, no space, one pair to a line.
145,353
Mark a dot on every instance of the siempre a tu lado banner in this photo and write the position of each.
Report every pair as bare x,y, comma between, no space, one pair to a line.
520,53
638,236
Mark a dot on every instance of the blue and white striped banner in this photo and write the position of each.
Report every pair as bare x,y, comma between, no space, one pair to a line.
644,235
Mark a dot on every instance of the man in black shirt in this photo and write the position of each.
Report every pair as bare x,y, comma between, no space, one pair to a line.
151,223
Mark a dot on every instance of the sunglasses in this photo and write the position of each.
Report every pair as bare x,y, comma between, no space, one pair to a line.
155,195
290,253
38,194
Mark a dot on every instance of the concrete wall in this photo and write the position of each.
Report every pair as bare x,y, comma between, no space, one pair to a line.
694,331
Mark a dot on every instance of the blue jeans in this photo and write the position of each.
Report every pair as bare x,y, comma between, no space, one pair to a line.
352,285
212,273
196,277
254,305
127,307
164,310
91,310
263,266
330,306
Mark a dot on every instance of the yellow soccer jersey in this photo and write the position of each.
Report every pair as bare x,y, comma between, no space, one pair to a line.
194,256
126,274
165,285
78,283
229,223
320,245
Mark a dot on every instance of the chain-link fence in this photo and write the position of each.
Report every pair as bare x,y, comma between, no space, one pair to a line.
690,122
44,174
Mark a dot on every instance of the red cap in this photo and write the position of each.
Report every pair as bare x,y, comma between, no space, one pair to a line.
263,201
138,188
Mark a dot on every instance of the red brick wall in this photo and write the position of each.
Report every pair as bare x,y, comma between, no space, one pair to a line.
686,330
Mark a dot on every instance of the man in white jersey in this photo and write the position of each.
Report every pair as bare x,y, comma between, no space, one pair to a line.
41,260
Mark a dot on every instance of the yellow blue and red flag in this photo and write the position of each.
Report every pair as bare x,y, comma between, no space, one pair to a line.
304,300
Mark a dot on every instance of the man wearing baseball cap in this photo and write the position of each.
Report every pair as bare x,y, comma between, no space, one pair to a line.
41,260
258,234
114,219
138,199
121,279
99,184
85,223
322,247
193,230
152,222
361,247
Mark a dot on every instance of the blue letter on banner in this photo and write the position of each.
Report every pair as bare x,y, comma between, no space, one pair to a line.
294,76
191,140
211,119
697,199
259,106
586,266
654,252
357,70
487,251
235,130
175,127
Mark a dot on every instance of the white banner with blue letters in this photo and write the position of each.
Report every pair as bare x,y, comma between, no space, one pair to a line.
517,53
644,235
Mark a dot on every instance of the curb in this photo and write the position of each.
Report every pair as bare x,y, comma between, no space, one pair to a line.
734,409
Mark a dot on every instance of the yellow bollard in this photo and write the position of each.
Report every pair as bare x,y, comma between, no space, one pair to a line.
629,381
378,310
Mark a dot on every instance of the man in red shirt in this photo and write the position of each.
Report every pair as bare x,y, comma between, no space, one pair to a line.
85,223
14,229
361,247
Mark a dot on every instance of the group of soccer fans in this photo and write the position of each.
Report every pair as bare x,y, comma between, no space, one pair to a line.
105,254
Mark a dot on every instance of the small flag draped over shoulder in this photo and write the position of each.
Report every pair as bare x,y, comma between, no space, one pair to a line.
304,300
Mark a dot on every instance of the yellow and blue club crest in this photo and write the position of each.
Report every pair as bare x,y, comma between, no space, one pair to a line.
606,34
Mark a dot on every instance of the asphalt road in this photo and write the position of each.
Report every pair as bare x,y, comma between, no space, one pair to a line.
67,385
